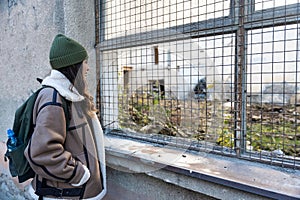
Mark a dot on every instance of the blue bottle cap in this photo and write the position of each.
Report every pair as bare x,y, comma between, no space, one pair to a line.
10,133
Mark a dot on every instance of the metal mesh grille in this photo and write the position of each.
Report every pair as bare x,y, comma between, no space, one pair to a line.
212,76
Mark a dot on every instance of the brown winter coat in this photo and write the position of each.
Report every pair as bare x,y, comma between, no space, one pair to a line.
56,155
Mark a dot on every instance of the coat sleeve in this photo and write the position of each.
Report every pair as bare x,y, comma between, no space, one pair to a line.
46,153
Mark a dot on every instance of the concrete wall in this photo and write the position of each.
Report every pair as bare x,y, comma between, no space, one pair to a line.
27,28
134,186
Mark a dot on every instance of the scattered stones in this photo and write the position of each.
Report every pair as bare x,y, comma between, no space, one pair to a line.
9,190
277,153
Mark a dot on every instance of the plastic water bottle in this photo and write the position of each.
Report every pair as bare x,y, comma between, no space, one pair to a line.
12,142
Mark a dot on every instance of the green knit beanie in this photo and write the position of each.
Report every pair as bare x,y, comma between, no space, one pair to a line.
65,52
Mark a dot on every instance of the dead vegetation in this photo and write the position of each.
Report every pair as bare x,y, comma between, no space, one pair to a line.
269,127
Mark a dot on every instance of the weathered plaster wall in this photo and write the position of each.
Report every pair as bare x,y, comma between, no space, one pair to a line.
27,28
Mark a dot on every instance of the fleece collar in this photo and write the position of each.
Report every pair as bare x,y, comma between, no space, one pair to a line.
58,81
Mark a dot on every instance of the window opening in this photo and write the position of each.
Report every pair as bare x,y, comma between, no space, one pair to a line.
224,78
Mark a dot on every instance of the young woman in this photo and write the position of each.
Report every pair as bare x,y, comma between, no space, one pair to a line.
67,153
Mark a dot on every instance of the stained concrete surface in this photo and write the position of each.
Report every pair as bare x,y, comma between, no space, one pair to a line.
10,189
255,175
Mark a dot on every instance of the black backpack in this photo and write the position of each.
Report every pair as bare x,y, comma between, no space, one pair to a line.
23,127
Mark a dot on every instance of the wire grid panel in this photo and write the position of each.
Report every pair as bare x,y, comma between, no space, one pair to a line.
272,85
170,74
125,17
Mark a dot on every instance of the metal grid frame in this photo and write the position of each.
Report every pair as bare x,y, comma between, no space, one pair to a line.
243,119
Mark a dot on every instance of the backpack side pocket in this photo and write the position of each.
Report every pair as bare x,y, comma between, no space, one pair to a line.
18,164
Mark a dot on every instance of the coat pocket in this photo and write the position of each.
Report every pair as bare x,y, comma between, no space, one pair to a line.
82,158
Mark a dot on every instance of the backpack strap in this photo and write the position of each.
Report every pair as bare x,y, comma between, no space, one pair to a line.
65,105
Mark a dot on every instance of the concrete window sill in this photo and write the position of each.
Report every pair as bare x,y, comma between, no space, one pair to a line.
209,174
